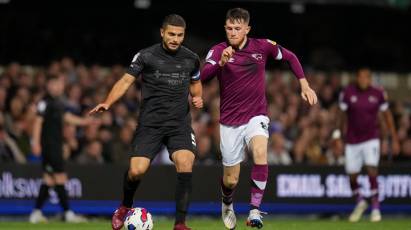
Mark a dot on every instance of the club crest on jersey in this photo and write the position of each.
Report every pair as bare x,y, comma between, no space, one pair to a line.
353,99
372,99
257,57
231,60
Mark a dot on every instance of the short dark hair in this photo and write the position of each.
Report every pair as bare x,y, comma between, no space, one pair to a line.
238,14
174,20
52,77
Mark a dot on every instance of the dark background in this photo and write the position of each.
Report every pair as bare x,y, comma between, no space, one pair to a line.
324,36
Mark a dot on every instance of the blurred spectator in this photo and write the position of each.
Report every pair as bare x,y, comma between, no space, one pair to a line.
204,154
92,154
122,145
277,152
9,152
71,146
299,134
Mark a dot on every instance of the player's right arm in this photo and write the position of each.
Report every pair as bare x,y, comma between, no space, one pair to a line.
389,120
216,58
121,86
341,118
36,135
118,90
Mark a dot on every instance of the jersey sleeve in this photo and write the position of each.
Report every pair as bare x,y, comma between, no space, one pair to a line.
195,74
383,100
343,100
211,66
214,55
272,49
41,108
137,65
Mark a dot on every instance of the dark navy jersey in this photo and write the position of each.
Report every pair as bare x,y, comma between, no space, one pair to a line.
52,110
166,80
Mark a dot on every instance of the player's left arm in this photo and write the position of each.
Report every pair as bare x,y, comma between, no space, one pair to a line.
196,88
76,120
281,53
389,121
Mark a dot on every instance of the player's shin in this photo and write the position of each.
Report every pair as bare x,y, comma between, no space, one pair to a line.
62,195
182,196
227,193
355,188
259,176
43,196
375,203
129,188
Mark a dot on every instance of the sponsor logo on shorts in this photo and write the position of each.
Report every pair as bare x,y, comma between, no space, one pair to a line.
264,125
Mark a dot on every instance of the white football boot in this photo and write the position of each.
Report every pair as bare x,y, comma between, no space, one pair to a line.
228,215
358,211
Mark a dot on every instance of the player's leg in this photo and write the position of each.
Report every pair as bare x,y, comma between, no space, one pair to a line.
372,158
146,144
181,144
183,160
60,179
36,215
257,141
258,180
232,146
131,180
353,164
229,182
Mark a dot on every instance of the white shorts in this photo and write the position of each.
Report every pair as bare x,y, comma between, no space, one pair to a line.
364,153
234,139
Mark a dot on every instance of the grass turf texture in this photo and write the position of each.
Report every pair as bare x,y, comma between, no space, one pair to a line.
211,224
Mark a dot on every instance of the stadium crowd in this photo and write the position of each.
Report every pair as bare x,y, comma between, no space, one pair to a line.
298,134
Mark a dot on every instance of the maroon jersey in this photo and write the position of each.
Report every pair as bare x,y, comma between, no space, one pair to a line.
362,107
242,79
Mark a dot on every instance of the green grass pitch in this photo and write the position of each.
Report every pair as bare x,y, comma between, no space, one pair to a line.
215,224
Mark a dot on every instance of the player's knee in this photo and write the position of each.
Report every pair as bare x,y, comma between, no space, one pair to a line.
260,153
184,164
136,173
231,181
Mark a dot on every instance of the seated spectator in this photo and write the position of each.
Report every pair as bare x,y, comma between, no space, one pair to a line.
9,152
92,154
277,152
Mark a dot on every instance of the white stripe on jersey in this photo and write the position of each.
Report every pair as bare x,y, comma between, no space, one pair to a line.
211,62
384,106
279,55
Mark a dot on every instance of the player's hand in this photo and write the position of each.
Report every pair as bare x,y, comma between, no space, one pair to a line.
309,95
338,147
197,102
226,55
36,149
395,147
99,109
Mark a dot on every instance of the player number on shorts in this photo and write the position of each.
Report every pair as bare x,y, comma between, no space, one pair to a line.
193,139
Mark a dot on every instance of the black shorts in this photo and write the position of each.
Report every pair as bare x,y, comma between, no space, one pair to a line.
53,161
148,141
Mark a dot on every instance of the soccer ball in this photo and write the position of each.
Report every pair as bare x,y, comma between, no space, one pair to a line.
138,219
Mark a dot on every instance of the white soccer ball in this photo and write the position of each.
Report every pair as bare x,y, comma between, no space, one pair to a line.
138,219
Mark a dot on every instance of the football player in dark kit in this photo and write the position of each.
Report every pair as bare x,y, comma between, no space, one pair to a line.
170,72
47,140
